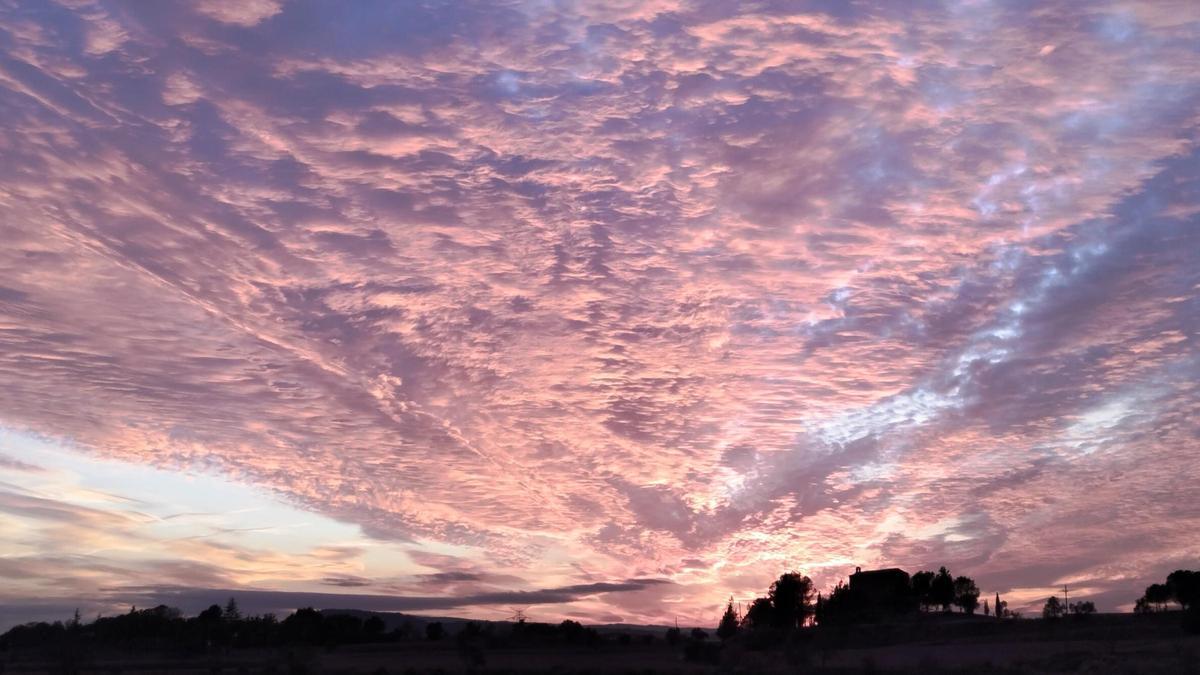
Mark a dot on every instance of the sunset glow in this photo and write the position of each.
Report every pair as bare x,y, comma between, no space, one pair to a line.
610,310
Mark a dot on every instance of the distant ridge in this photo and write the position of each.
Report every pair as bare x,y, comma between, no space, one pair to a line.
395,620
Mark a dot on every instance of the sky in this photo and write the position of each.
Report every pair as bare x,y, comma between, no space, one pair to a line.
607,310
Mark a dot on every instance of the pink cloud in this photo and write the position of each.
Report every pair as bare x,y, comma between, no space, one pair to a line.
589,292
240,12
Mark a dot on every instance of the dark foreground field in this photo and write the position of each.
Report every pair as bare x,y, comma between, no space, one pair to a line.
957,644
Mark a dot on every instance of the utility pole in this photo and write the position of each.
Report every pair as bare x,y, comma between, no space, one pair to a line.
1066,601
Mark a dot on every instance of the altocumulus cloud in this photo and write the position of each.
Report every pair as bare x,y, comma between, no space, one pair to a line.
590,291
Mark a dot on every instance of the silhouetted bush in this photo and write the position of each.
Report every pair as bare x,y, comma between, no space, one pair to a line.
303,626
761,614
843,606
573,632
1083,609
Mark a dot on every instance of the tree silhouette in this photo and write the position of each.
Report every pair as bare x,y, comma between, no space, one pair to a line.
1158,595
304,626
1082,609
435,631
840,607
1053,608
574,632
966,594
760,614
728,627
231,612
1184,587
941,590
922,588
791,599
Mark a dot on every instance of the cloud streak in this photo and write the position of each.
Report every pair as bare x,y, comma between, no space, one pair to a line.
275,601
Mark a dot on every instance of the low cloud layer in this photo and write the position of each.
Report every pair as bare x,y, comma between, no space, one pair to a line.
274,601
252,601
555,295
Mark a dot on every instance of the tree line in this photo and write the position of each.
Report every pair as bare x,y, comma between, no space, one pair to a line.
1182,588
791,602
790,607
164,628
